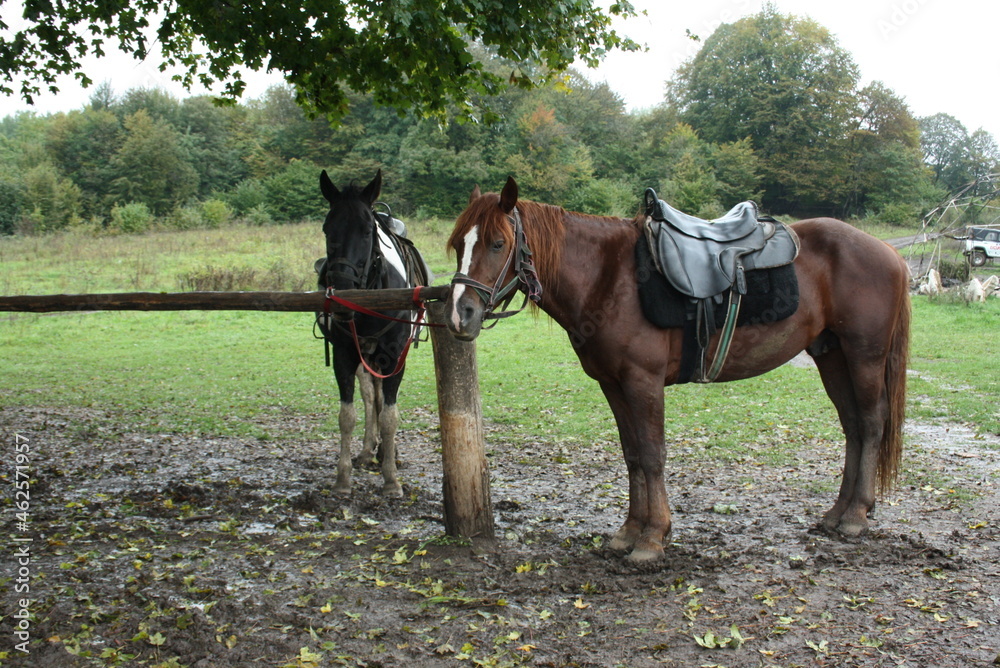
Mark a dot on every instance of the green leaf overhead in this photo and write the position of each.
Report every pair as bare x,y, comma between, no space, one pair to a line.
409,54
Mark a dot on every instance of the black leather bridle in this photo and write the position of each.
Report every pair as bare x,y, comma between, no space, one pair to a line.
525,277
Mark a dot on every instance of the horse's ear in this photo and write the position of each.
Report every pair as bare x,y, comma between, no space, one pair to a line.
372,190
508,196
475,194
326,186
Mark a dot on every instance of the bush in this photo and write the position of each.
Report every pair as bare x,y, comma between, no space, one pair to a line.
955,269
258,216
898,215
246,196
186,218
216,213
132,218
604,197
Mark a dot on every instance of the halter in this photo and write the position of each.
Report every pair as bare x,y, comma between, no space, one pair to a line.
364,275
525,277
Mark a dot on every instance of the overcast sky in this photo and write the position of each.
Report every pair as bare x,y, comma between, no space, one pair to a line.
939,55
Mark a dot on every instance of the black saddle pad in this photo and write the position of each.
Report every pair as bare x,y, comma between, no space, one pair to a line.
772,295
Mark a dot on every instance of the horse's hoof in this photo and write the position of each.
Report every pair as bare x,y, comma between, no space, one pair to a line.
619,544
392,490
624,540
644,556
852,529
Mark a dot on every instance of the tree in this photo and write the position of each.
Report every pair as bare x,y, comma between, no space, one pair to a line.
83,145
11,204
436,177
549,161
152,167
887,171
785,83
598,118
955,156
293,193
210,135
50,201
944,141
409,55
984,154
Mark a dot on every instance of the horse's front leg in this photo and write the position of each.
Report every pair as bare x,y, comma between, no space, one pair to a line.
388,423
638,410
370,388
344,373
638,507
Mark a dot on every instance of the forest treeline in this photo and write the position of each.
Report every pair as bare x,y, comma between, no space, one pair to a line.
769,109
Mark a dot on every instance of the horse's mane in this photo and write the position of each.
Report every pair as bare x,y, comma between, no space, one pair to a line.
544,229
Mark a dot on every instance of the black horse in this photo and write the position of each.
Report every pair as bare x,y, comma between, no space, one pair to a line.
366,250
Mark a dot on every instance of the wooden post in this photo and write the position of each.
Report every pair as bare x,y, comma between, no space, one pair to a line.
468,510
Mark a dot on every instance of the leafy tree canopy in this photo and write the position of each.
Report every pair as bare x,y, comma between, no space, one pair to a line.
409,54
785,83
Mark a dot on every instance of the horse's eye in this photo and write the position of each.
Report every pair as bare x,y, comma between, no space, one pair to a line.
498,245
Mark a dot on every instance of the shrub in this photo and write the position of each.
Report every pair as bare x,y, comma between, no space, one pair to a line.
186,218
246,196
258,216
955,269
898,215
604,197
216,213
132,218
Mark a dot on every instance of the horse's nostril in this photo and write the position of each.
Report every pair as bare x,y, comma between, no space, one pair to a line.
467,312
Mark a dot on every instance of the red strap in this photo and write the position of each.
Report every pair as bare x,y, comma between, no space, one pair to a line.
400,363
417,302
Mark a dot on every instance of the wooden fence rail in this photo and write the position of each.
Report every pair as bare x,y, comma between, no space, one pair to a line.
468,510
392,299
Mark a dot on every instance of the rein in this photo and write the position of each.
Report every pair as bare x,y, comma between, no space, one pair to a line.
401,360
525,276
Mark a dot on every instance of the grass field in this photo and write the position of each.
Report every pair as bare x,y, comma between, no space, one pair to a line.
231,373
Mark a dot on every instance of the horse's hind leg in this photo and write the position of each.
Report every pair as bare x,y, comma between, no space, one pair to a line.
858,392
369,397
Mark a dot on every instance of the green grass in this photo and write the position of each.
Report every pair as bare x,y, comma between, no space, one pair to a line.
236,373
954,362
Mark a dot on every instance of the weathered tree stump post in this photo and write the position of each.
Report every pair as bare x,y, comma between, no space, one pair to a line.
468,509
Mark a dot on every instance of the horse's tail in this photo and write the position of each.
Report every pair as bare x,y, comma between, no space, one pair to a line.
891,450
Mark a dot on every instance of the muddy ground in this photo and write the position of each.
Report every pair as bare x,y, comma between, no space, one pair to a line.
150,549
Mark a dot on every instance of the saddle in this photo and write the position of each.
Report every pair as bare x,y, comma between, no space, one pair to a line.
706,261
703,259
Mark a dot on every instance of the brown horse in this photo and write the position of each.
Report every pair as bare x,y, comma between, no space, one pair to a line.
853,319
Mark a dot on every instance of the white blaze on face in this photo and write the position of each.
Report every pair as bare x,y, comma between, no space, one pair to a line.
468,243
